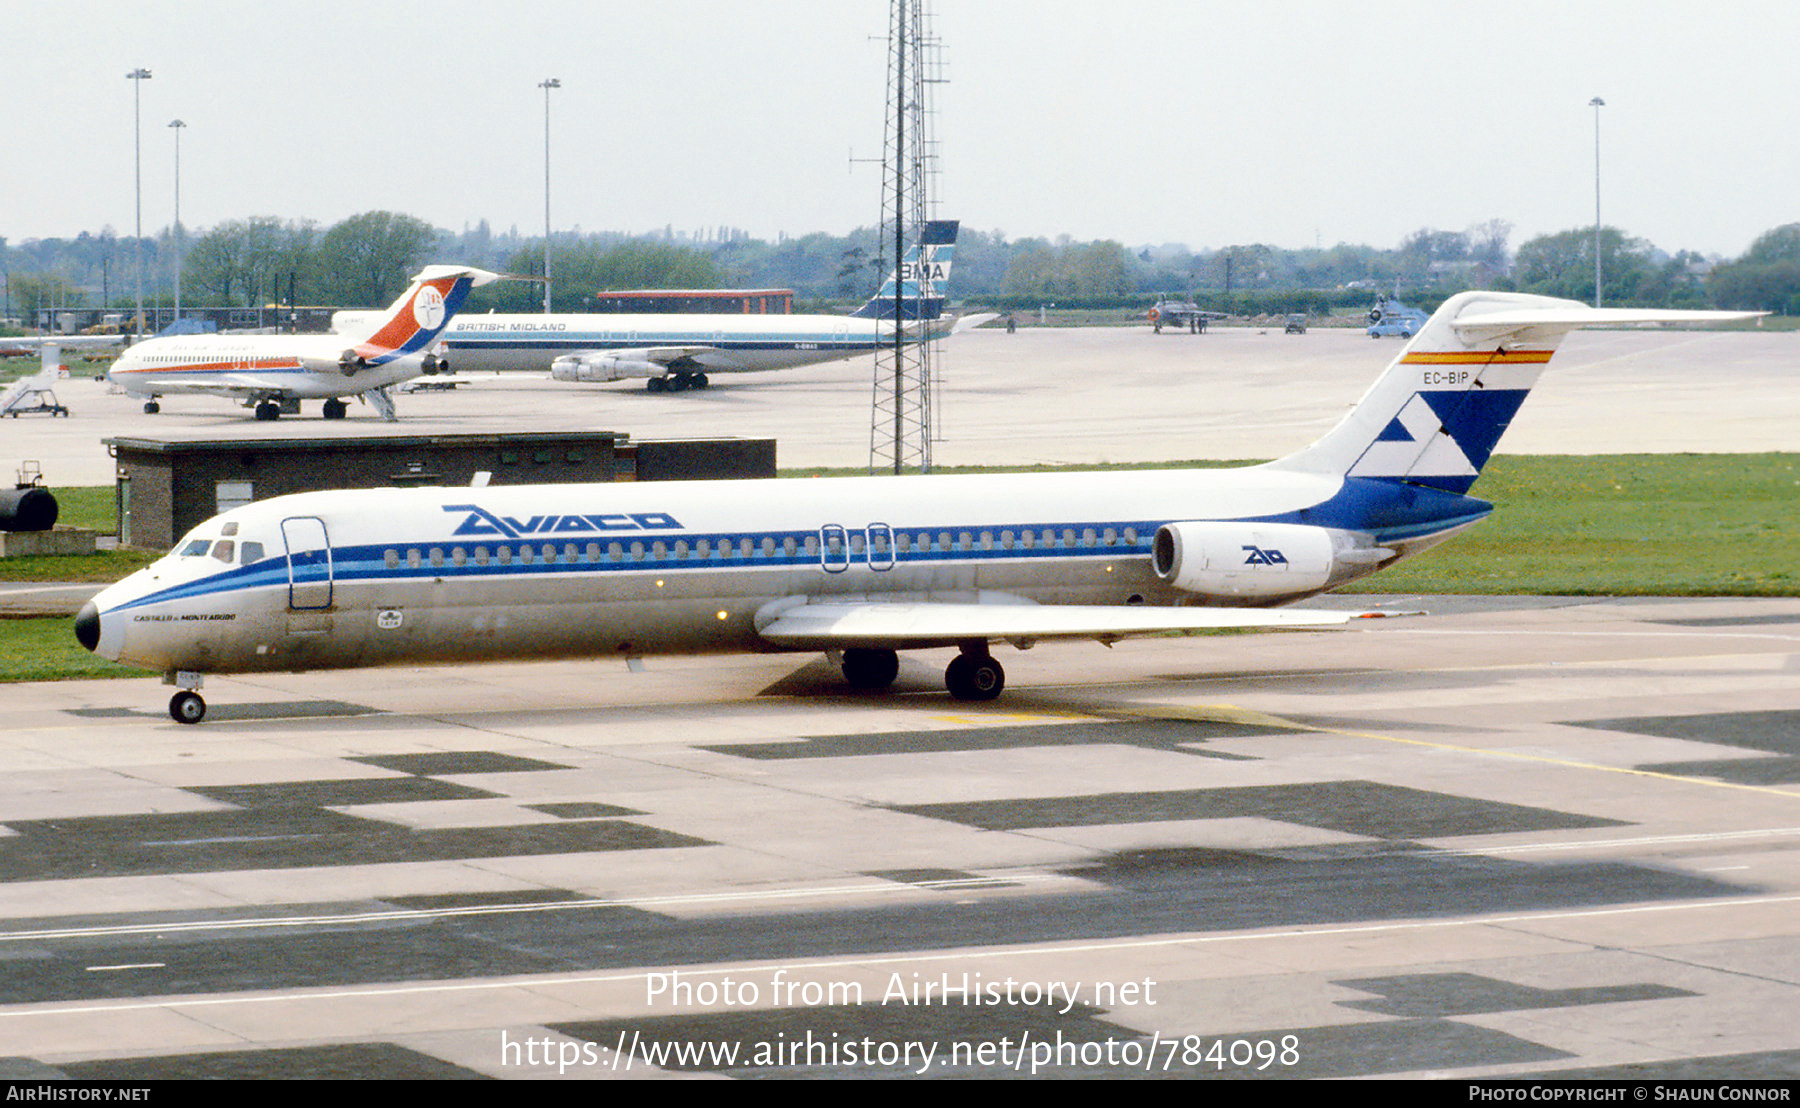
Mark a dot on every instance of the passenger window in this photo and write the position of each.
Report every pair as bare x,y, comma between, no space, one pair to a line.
481,556
437,555
412,558
459,555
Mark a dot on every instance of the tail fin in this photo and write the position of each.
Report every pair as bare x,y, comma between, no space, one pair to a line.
923,276
1435,416
413,322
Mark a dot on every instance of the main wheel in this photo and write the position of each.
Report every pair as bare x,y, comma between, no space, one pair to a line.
187,707
335,408
657,384
867,668
971,678
151,407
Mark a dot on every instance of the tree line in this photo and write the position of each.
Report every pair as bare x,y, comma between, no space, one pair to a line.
367,259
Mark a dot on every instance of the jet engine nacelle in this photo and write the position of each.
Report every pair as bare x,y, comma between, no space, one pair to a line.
1258,561
434,365
603,367
350,361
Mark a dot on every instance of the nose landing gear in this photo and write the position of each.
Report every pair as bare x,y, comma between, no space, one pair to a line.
186,706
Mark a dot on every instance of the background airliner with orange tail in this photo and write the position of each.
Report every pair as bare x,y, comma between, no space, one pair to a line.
273,373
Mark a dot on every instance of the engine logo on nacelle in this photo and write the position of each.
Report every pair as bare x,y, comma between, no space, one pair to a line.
1260,557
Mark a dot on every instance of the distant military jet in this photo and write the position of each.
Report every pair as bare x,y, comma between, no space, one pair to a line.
1180,314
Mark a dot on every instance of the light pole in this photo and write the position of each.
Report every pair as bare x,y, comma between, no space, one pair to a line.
1596,103
137,77
177,125
547,84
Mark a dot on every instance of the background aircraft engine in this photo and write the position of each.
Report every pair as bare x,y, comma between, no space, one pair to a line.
1266,561
602,367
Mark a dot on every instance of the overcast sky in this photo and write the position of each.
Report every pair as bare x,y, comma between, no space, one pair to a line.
1291,122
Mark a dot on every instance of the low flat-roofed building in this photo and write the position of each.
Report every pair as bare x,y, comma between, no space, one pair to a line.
166,487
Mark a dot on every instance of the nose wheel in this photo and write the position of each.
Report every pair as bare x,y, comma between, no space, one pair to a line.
186,706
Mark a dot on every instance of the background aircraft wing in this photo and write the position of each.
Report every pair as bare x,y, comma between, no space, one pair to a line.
684,357
836,624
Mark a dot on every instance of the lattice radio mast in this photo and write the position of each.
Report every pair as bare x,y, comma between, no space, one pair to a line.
900,427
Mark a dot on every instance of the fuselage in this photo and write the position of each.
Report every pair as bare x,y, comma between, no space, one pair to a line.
733,343
370,577
305,366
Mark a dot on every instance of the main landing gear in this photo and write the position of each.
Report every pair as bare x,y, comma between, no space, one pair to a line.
268,410
675,382
973,675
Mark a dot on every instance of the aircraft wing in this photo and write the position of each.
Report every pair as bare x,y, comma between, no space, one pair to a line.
835,624
69,342
710,356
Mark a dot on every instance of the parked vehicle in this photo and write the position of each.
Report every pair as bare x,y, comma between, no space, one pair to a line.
1390,317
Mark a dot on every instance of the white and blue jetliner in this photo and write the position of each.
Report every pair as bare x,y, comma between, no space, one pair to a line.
676,351
862,567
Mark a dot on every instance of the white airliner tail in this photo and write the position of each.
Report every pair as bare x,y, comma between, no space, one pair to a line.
1434,417
414,321
921,281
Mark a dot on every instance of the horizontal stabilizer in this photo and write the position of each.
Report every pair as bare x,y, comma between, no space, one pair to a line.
836,624
1535,324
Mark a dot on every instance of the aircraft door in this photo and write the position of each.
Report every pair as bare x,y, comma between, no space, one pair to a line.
309,563
881,546
834,548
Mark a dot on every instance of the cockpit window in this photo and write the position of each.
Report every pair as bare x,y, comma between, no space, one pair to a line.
196,549
223,550
250,552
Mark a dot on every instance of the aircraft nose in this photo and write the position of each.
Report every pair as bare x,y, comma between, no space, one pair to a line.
87,626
